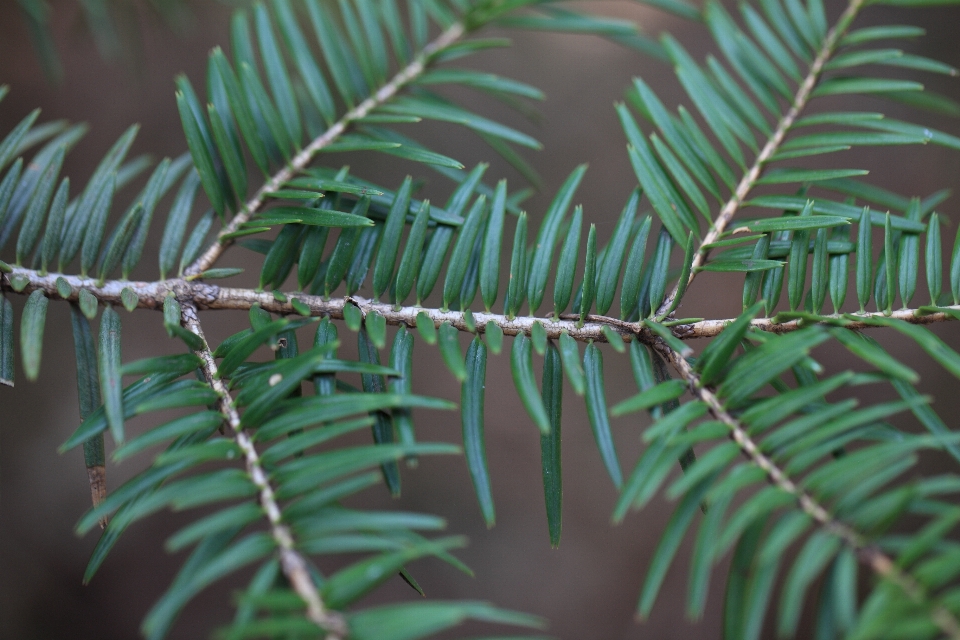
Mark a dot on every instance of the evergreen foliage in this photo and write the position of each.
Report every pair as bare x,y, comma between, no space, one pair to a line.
780,462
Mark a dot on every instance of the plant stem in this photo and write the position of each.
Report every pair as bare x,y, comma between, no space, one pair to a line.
749,180
150,295
292,563
306,155
882,564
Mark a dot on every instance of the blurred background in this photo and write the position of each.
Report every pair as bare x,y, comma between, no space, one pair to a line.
588,588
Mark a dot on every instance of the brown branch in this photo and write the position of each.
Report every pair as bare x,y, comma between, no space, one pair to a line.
711,328
150,295
293,565
302,159
750,178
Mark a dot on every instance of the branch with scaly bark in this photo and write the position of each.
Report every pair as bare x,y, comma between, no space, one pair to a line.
292,563
150,295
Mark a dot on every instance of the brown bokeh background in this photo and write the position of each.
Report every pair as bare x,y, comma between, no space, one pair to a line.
588,588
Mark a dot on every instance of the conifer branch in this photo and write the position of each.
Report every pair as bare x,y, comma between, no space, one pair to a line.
292,563
884,566
749,180
305,156
848,521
